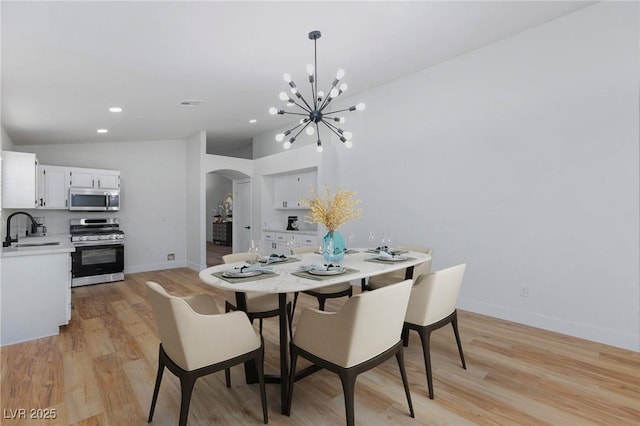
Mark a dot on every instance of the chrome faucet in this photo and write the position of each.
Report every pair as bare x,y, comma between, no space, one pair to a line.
7,241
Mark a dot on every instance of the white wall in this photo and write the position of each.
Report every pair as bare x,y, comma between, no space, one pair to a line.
196,202
153,212
520,159
6,144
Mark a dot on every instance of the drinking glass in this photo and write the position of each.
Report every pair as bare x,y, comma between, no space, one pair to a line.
372,238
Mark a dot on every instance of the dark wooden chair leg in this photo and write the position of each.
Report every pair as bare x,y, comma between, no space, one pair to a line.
348,379
292,376
157,388
405,382
321,301
227,377
261,326
363,285
187,382
259,361
295,302
454,324
425,336
405,336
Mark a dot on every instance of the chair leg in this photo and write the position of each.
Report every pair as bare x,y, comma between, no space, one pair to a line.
295,302
157,388
292,376
259,361
290,320
227,377
186,385
321,301
425,336
454,324
363,285
405,382
348,379
405,336
261,326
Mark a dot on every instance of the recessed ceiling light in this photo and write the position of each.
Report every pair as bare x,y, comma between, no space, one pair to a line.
115,109
102,131
253,121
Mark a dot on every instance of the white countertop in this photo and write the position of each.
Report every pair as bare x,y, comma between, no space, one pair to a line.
65,246
300,231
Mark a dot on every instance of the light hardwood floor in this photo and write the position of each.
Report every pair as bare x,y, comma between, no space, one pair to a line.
101,369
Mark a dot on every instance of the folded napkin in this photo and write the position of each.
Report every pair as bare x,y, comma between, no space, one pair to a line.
319,267
384,254
251,268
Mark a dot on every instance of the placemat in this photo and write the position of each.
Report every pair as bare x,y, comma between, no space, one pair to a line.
374,251
307,275
387,262
262,276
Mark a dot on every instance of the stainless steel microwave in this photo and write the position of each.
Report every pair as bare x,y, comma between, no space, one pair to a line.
93,199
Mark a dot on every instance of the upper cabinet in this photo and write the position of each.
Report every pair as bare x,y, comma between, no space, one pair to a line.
53,187
95,178
289,190
18,180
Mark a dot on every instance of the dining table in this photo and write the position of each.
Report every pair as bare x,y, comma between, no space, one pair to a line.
302,272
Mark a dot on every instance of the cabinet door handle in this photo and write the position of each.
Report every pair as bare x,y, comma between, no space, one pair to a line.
93,182
247,227
41,202
98,183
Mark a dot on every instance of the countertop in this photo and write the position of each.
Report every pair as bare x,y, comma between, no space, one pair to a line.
65,246
299,232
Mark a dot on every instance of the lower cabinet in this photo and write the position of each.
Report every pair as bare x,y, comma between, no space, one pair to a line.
35,299
280,242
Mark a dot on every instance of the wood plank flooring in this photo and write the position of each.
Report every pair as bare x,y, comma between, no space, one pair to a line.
101,369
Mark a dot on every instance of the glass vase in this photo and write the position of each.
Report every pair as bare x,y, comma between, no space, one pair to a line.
333,247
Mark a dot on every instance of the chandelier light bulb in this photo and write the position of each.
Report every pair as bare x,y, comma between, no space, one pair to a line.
344,87
341,120
320,148
273,111
320,95
360,106
340,74
286,145
280,137
334,93
348,144
287,77
310,69
347,135
294,90
310,131
283,96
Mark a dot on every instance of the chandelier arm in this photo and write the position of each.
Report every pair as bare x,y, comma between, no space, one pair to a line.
306,123
329,127
295,113
335,112
305,102
296,126
315,73
301,107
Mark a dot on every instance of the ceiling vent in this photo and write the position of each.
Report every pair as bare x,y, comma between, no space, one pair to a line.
191,102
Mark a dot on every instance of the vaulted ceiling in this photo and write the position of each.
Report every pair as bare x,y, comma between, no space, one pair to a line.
65,63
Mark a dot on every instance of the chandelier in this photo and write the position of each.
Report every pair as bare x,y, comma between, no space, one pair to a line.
315,113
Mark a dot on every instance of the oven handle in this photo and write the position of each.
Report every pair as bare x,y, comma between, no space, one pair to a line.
96,244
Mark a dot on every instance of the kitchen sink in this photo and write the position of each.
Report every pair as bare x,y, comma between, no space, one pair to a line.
50,243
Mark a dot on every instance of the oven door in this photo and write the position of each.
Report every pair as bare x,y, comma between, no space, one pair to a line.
97,263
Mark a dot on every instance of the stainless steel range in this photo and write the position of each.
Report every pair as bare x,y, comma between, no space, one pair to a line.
99,255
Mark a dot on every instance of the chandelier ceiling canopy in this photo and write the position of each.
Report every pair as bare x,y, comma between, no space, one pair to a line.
315,112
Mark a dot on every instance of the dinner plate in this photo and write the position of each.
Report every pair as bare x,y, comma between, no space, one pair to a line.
325,272
273,259
238,274
392,258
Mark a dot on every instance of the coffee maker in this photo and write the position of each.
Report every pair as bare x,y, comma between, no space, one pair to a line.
292,223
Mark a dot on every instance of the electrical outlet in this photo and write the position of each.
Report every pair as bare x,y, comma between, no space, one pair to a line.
171,256
524,291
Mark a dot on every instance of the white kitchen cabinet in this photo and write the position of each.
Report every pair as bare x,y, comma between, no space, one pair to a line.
276,242
35,300
94,178
53,187
19,170
289,190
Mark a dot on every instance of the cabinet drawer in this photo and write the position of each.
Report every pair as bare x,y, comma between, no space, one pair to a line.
306,240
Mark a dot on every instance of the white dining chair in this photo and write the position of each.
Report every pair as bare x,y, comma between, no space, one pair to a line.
259,305
322,293
382,280
360,336
433,305
197,340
